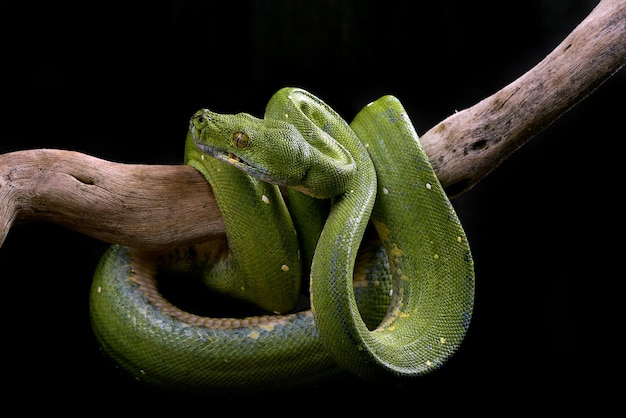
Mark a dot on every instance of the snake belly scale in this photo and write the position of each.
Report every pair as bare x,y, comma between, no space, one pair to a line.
351,215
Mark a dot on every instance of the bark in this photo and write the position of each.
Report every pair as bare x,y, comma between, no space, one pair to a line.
468,145
132,204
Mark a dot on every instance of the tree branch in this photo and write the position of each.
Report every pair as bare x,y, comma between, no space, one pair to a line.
143,205
132,204
468,145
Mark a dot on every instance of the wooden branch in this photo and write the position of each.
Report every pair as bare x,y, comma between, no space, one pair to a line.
151,205
137,205
468,145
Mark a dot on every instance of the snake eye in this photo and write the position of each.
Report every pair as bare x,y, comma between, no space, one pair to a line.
240,140
197,121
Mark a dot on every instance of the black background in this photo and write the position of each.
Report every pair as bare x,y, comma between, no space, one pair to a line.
119,82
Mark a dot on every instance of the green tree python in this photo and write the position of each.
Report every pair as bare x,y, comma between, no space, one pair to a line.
351,215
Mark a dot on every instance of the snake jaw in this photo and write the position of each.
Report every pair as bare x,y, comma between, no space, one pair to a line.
237,161
220,154
232,157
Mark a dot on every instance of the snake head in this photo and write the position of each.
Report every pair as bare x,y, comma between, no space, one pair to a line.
267,149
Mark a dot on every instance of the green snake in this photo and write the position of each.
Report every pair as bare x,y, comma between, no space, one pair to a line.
350,215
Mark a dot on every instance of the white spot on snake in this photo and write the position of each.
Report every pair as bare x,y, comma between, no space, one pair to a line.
284,267
428,186
429,363
459,239
202,157
442,340
268,327
265,199
254,335
390,292
385,191
99,289
436,256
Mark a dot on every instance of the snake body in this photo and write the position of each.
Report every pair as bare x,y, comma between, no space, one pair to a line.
363,218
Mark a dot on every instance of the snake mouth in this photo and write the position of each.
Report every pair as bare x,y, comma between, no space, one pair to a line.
247,166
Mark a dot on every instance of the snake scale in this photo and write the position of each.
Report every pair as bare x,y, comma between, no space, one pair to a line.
351,215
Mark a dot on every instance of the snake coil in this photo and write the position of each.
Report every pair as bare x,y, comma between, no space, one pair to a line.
351,215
